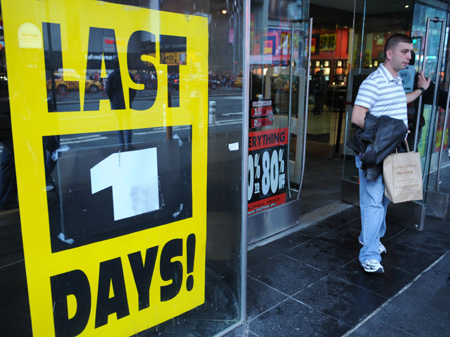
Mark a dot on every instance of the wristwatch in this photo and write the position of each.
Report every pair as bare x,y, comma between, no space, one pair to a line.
422,89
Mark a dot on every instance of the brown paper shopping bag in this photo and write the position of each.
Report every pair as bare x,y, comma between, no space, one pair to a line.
402,174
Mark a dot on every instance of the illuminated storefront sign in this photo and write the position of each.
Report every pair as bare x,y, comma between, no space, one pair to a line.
327,42
152,267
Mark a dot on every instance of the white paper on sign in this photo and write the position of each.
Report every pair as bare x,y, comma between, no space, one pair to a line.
233,146
133,176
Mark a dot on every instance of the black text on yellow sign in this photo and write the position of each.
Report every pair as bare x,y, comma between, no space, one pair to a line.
111,279
125,284
107,60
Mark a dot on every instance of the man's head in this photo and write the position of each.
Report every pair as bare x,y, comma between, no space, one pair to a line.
397,52
394,40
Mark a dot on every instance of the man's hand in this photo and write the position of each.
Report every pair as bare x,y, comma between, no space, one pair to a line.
422,81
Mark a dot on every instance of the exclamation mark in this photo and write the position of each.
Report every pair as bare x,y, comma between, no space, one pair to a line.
190,261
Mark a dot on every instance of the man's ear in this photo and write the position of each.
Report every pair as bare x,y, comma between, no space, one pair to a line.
388,54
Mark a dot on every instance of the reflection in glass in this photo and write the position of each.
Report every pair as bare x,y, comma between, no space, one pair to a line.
130,190
8,185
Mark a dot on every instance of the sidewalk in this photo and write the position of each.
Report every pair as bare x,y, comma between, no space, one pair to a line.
420,309
310,283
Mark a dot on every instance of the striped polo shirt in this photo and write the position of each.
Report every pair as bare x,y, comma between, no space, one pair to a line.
383,95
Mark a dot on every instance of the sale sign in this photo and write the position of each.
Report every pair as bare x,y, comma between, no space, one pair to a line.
150,267
261,114
267,160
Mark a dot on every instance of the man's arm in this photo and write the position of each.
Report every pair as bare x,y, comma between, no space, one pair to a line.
422,82
413,95
359,115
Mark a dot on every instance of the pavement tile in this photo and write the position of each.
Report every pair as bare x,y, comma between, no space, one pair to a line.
387,284
261,297
377,329
349,214
319,228
321,255
393,229
344,237
285,274
240,332
408,259
343,218
437,226
294,319
431,242
288,242
421,310
260,254
355,224
341,300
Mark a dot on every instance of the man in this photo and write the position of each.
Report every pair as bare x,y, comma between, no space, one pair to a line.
382,94
114,90
318,85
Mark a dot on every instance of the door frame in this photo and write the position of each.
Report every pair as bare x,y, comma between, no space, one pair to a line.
282,217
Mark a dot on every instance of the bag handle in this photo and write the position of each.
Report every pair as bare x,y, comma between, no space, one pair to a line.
407,147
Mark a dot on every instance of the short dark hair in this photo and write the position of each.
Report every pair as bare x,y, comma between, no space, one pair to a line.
394,40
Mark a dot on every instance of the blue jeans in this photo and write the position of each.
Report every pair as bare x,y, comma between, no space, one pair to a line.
125,137
373,204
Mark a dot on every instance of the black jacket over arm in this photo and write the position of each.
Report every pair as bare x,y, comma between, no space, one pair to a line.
380,137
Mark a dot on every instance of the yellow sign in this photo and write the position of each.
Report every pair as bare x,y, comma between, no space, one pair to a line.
124,284
327,42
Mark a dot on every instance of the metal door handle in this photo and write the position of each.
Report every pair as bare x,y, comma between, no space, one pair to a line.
305,118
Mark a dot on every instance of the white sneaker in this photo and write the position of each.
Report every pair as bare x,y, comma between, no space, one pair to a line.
63,148
381,248
372,266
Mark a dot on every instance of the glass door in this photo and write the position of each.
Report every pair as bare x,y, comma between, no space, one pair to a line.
279,83
431,129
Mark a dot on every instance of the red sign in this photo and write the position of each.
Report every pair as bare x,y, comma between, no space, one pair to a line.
267,164
261,111
264,204
260,122
267,139
261,114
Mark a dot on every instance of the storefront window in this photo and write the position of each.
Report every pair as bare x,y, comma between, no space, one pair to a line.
121,174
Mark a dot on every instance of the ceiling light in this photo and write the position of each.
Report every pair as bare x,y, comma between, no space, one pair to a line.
224,11
406,6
